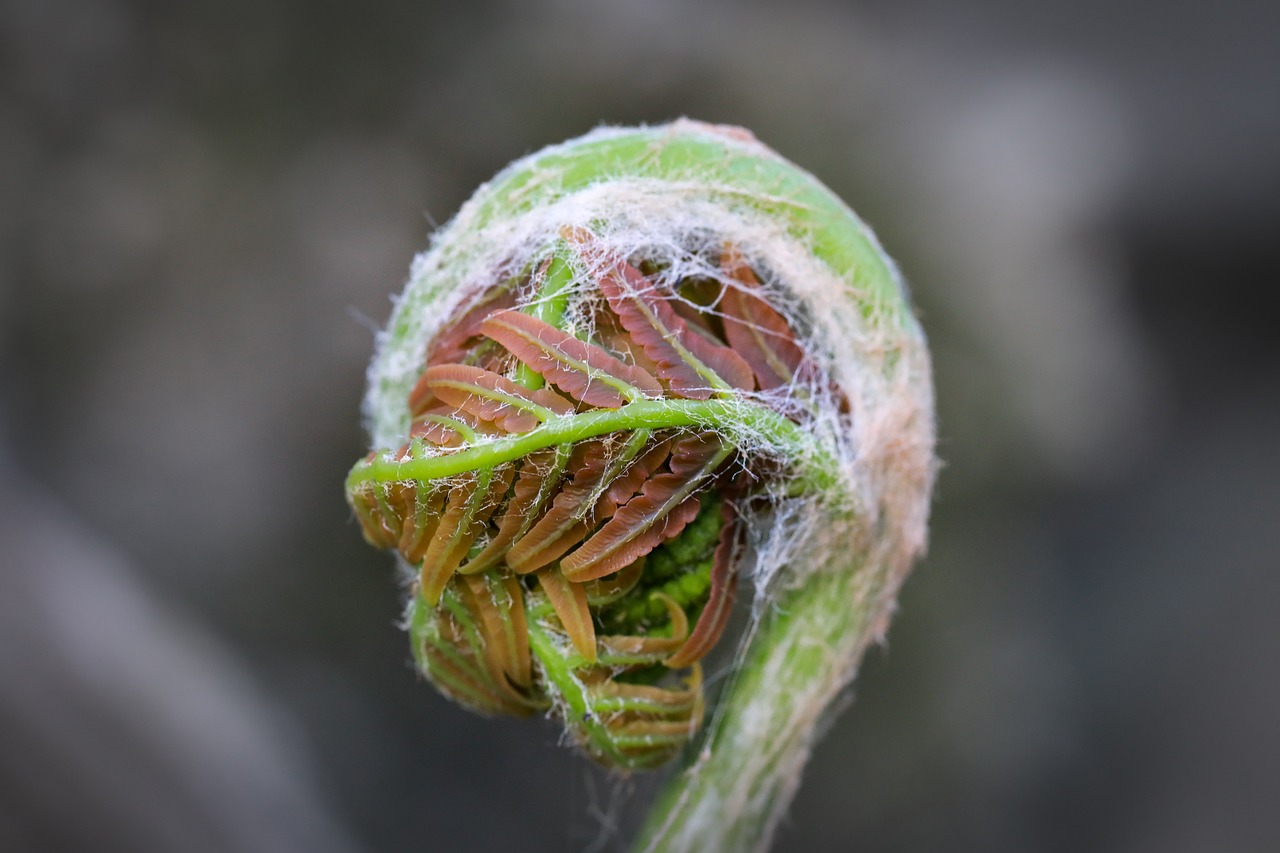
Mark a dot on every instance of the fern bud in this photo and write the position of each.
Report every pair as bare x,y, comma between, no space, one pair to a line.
635,368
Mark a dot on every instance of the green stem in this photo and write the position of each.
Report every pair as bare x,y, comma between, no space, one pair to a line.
801,654
560,672
747,423
548,305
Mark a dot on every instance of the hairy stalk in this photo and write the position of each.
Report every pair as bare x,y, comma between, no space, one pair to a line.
634,367
798,657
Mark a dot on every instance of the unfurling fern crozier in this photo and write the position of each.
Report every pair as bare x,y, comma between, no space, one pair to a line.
519,552
634,368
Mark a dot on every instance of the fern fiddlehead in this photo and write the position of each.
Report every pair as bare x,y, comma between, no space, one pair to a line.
519,559
632,365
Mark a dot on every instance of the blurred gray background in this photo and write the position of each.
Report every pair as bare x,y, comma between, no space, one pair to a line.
205,206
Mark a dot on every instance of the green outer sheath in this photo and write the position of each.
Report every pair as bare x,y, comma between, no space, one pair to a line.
742,172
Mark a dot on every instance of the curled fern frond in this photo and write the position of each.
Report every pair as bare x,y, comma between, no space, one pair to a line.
566,530
634,369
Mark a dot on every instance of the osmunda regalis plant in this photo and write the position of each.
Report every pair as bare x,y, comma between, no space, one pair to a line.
634,369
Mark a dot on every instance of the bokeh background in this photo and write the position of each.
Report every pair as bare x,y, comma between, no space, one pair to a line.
205,206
